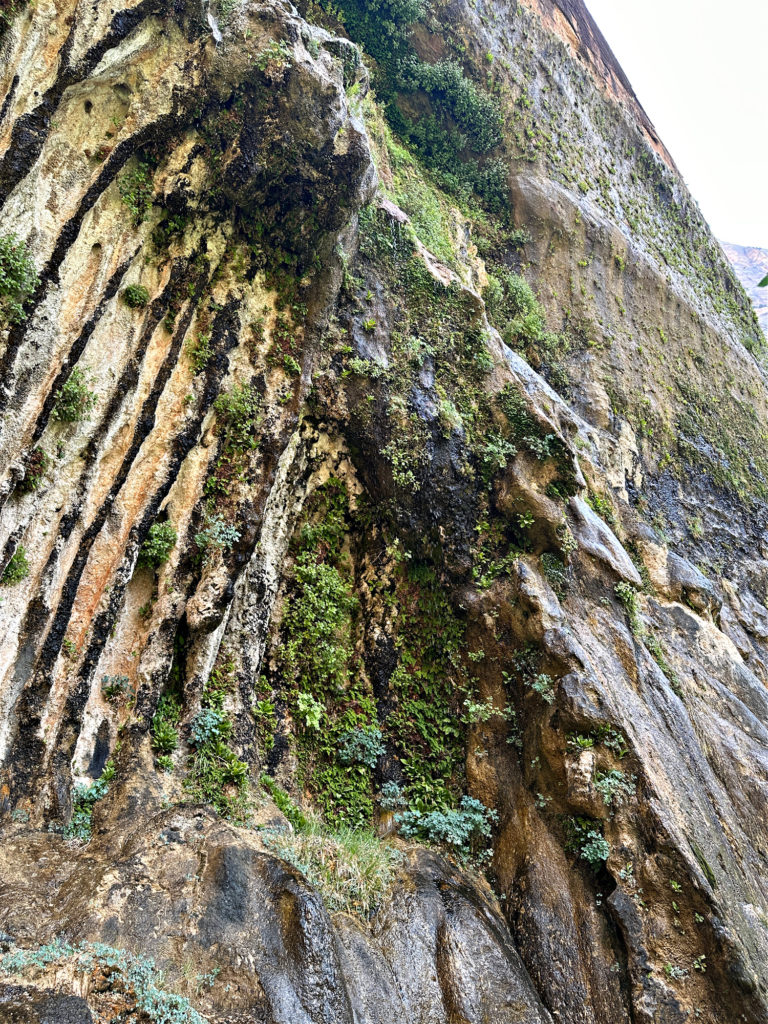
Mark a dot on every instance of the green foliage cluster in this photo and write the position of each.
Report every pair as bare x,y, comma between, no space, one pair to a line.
584,836
127,974
136,296
113,688
38,463
17,568
429,683
464,831
319,668
602,505
216,775
432,325
157,547
216,535
529,434
607,735
238,417
361,746
83,800
614,786
526,662
165,726
135,188
74,399
555,571
18,277
627,594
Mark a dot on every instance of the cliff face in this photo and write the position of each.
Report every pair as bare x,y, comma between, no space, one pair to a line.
383,528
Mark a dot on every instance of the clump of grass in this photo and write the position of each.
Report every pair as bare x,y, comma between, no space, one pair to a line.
351,868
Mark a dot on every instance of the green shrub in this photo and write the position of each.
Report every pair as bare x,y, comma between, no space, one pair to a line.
627,594
37,466
209,724
392,797
17,568
614,787
555,571
216,535
18,277
165,721
136,296
585,838
83,800
133,977
74,400
216,775
157,547
135,188
462,830
361,746
238,410
200,351
114,687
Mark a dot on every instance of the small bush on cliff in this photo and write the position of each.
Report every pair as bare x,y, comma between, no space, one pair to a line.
83,800
216,775
37,465
165,722
74,400
17,568
158,545
216,535
361,746
464,830
135,188
18,277
585,838
136,296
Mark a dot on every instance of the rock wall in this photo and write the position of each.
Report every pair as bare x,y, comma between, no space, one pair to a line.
380,637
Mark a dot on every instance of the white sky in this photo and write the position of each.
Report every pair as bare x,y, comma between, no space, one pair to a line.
700,70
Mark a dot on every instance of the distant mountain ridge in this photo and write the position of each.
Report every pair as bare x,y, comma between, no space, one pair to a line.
751,266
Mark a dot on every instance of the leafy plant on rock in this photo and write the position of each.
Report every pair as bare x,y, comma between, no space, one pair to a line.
17,568
463,830
18,277
157,547
74,399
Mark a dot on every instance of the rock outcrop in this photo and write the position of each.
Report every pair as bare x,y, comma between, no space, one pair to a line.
384,552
